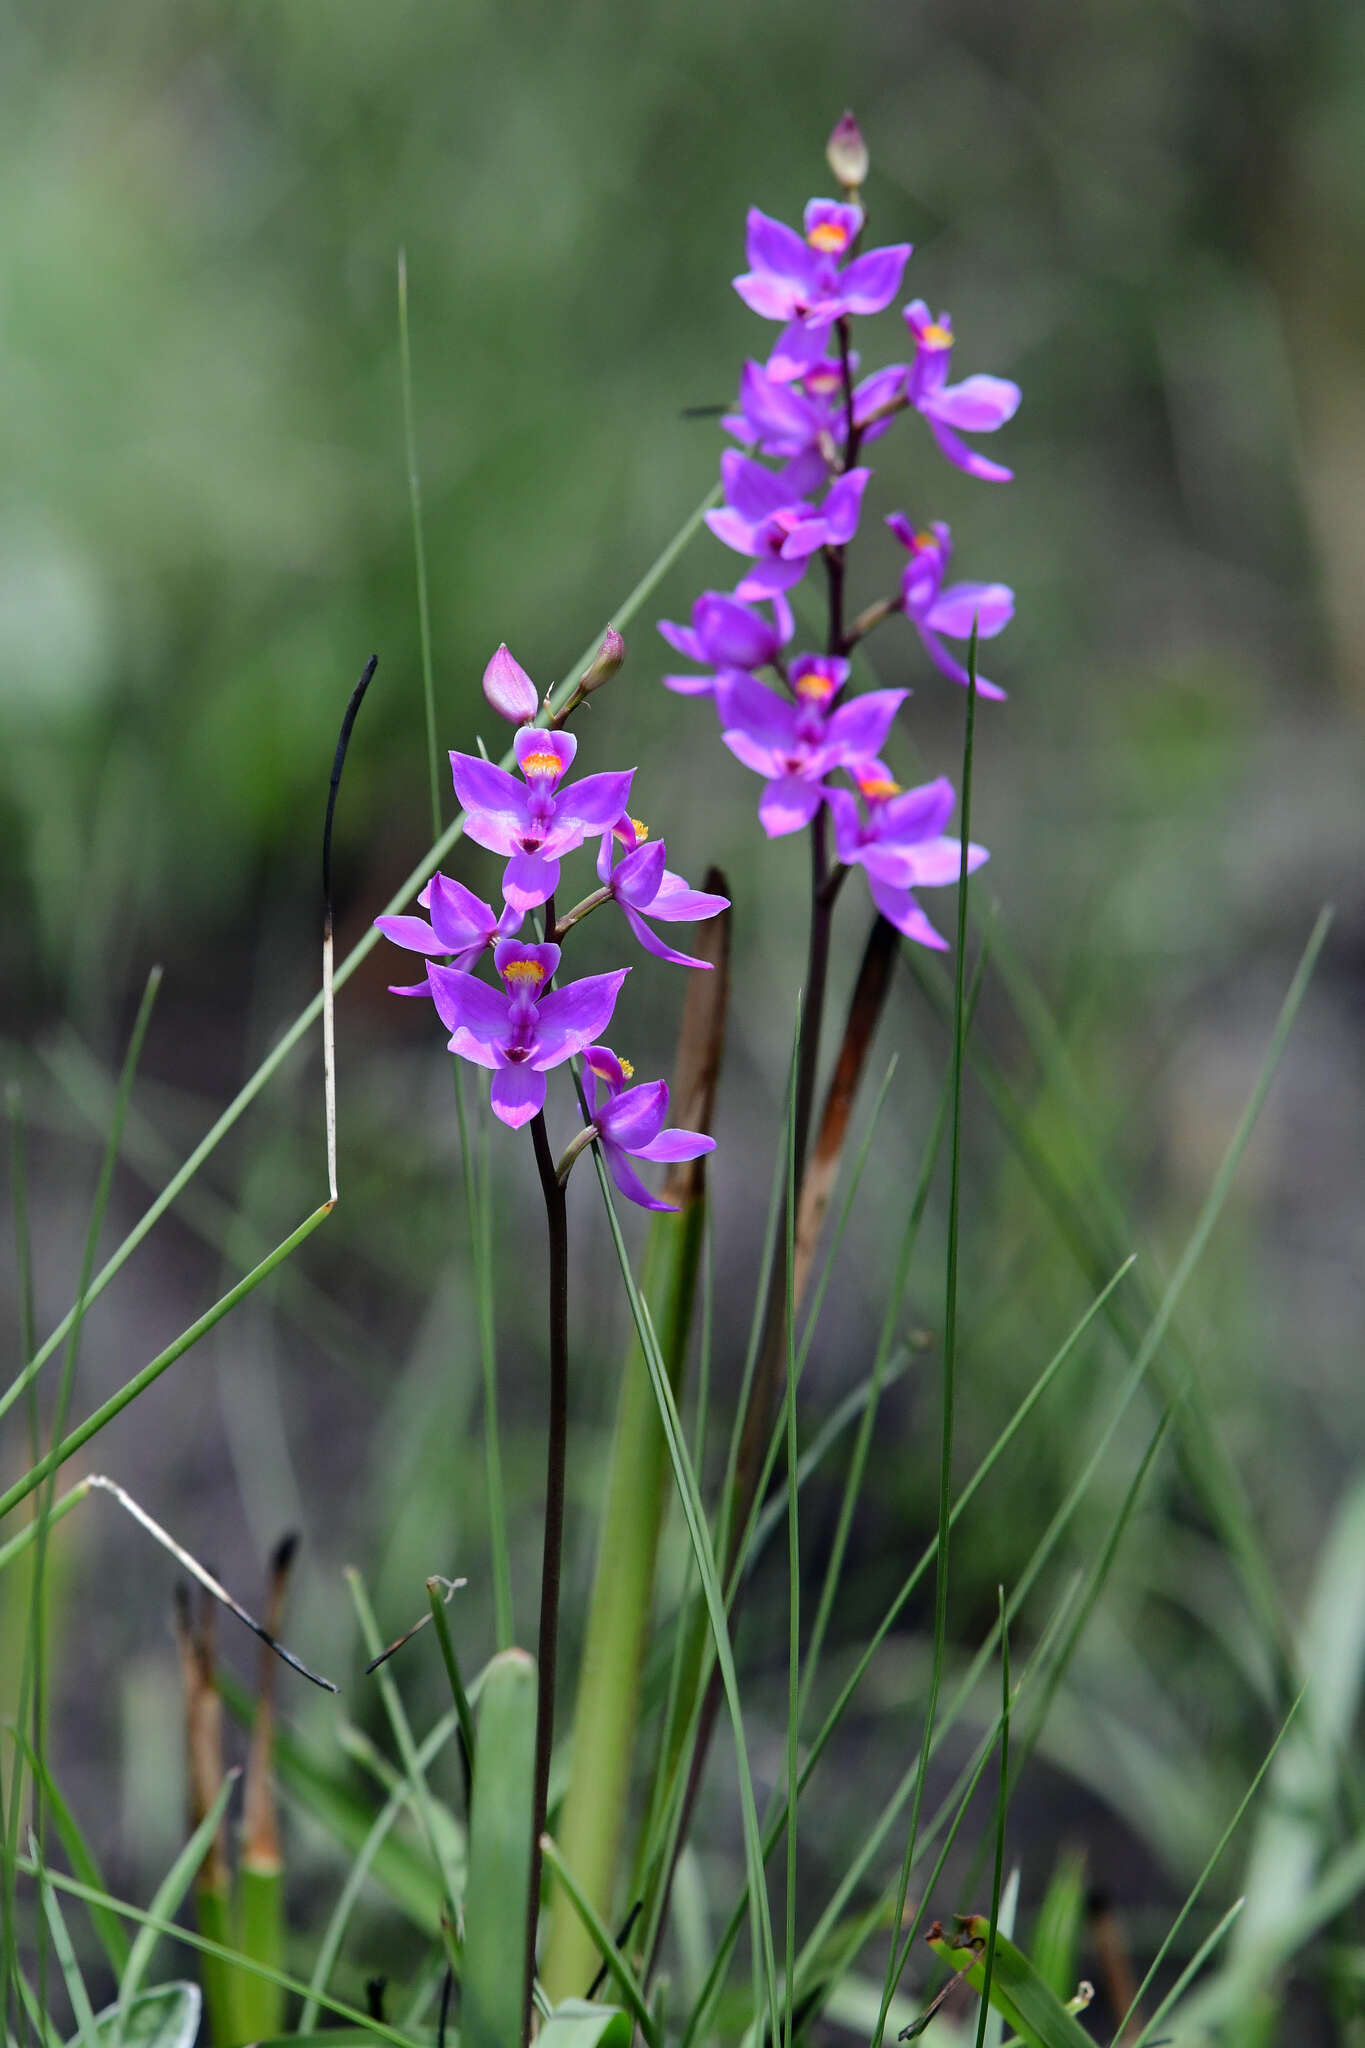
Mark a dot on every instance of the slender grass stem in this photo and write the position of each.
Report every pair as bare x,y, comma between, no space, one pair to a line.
557,1226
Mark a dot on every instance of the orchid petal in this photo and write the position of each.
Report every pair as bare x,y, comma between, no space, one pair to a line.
772,246
635,1116
414,933
471,1007
628,1181
671,1146
953,669
799,347
533,742
636,880
750,489
572,1017
652,943
899,908
597,801
978,405
518,1094
859,729
842,506
743,702
963,457
788,804
675,903
529,879
872,281
990,606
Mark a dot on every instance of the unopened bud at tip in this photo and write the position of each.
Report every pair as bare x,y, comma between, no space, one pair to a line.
509,689
605,663
846,153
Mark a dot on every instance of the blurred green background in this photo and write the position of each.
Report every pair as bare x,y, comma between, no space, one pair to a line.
1151,217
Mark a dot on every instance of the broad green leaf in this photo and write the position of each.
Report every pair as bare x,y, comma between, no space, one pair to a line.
577,2024
1059,1924
493,1993
165,2017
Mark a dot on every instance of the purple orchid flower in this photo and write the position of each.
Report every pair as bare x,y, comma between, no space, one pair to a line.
725,635
806,424
531,824
764,516
631,1120
644,888
798,280
520,1031
795,745
899,842
933,610
462,927
978,405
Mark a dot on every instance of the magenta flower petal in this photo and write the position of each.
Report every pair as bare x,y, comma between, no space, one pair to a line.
731,528
978,405
459,918
628,1181
742,701
674,903
528,880
652,943
948,666
413,988
859,729
544,757
515,960
990,606
788,804
602,1061
471,1011
509,689
872,281
518,1094
937,863
671,1146
495,802
965,458
570,1018
771,576
732,636
683,639
636,880
689,686
634,1116
805,537
800,347
597,801
750,489
842,506
412,932
772,246
919,813
899,907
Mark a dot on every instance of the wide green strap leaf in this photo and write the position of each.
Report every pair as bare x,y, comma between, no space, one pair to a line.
165,2017
493,1993
1060,1924
1017,1990
577,2024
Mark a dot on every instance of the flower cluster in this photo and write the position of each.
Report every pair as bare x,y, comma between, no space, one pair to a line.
523,1025
794,493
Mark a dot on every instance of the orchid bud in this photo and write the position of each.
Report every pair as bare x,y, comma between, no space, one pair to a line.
509,689
846,153
604,664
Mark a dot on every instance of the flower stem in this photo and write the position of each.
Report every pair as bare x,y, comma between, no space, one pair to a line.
556,1218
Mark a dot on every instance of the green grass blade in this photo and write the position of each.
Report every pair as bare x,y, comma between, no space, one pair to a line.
66,1955
171,1891
142,1380
1028,2004
437,1825
107,1927
72,1887
994,1938
1059,1925
493,1985
1186,1978
699,1533
418,542
945,1482
1208,1870
357,1871
602,1941
312,1012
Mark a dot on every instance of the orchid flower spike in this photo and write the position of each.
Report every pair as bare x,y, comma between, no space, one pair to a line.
631,1121
531,824
521,1030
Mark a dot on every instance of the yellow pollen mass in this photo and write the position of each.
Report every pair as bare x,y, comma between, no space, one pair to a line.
815,684
830,237
926,540
936,336
641,830
628,1069
877,787
523,970
541,764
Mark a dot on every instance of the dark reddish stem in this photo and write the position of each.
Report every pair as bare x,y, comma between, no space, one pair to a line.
557,1222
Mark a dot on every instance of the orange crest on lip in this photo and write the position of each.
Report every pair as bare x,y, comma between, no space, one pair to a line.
830,237
816,684
524,971
876,788
936,336
542,764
